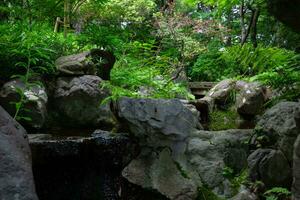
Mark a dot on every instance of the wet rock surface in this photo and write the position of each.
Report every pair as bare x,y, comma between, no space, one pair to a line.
80,167
16,178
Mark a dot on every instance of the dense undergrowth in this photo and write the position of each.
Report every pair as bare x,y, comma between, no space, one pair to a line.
152,41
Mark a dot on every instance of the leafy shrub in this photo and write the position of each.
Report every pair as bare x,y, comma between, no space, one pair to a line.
140,67
236,179
276,67
246,61
277,193
249,61
208,67
18,42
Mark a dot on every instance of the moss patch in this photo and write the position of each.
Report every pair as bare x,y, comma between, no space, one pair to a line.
223,119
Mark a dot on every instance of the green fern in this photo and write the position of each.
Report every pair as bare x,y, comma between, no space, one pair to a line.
277,193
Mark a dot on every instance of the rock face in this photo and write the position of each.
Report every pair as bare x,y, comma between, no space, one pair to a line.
244,194
80,167
34,103
209,152
175,157
221,92
250,96
78,102
157,122
281,124
296,170
160,172
271,167
16,179
86,63
78,64
250,99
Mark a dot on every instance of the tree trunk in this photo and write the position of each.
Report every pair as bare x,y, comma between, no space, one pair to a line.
66,17
250,25
243,29
229,26
169,5
254,27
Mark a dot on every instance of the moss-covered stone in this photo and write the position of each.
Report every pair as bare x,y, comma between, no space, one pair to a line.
223,119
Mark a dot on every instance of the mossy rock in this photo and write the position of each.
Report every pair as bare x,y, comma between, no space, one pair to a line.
223,119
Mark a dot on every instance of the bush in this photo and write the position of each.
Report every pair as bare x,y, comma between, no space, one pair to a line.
140,67
245,61
276,67
38,45
277,193
208,67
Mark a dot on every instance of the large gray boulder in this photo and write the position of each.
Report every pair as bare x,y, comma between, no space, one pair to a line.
77,64
221,92
16,179
158,171
250,99
202,163
271,167
209,152
281,124
94,62
157,122
162,127
177,158
34,102
296,171
77,100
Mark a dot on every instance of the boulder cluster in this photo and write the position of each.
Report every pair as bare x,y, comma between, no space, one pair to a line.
163,152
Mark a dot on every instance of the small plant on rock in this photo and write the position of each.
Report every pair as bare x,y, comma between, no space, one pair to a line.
277,193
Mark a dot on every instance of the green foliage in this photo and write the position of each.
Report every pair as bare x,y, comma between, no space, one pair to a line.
223,120
239,180
18,41
248,61
151,44
140,67
276,67
277,193
209,67
128,10
236,180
